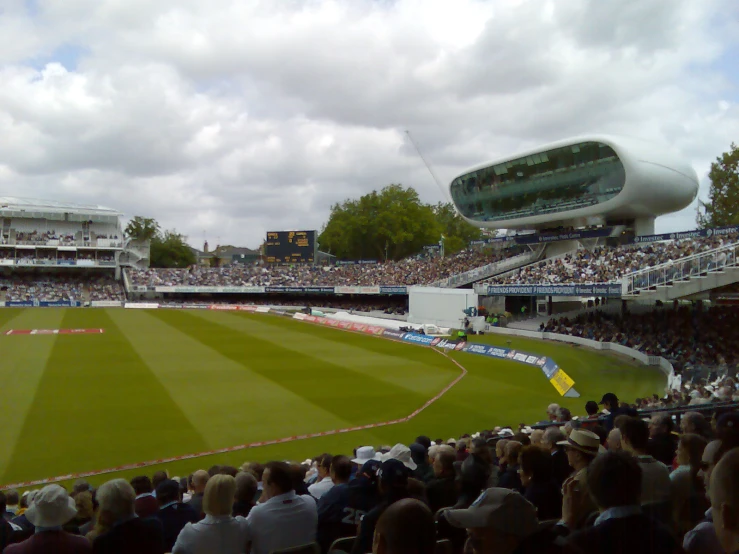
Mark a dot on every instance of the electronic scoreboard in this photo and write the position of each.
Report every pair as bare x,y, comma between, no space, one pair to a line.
290,247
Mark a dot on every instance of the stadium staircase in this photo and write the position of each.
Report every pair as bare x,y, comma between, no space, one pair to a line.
491,270
691,276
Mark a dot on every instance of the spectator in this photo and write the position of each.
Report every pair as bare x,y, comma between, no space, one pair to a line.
80,485
393,476
324,481
560,466
332,507
363,455
6,532
702,538
536,437
689,502
509,478
442,489
696,423
610,403
146,503
219,531
501,521
199,482
424,440
51,509
83,504
12,501
363,491
662,442
656,481
591,408
406,527
539,487
615,483
581,448
280,509
725,500
419,454
246,490
127,533
173,514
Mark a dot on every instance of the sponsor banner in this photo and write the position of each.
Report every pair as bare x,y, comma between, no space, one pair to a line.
357,290
141,305
262,309
210,290
562,382
558,378
697,233
37,304
451,344
604,289
556,237
356,262
393,334
393,290
18,304
425,340
55,332
105,304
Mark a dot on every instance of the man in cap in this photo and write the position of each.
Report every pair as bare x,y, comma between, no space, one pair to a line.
501,521
393,478
364,494
333,507
52,507
581,448
419,454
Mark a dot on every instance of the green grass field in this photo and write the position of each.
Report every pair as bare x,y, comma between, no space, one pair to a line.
161,383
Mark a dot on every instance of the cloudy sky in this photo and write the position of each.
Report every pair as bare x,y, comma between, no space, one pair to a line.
227,118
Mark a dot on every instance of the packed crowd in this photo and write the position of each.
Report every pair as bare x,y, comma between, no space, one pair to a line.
608,265
56,288
43,237
689,338
410,271
609,481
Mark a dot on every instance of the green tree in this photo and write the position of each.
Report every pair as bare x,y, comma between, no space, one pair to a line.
142,228
722,208
390,224
170,249
457,232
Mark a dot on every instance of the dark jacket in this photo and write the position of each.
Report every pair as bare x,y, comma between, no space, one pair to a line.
173,519
242,508
442,493
630,535
509,479
146,506
136,536
363,542
5,533
196,503
561,469
424,473
336,519
56,542
662,447
22,521
611,417
546,497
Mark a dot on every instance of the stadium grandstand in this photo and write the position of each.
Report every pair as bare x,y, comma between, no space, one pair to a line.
580,264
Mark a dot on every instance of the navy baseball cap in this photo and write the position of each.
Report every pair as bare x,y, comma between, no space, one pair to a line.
168,489
393,473
371,467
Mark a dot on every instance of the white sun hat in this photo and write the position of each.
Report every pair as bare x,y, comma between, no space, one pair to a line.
51,507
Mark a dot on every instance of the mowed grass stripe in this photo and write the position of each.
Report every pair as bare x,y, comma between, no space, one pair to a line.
96,406
415,369
23,359
351,395
225,400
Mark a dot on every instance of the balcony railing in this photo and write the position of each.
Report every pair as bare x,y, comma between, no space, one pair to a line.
681,269
486,271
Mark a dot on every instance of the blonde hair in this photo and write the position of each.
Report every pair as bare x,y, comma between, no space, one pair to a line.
219,494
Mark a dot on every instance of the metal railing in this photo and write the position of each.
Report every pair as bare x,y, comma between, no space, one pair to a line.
489,270
681,269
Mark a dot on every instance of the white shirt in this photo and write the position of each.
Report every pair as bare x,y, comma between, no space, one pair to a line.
317,490
283,521
222,534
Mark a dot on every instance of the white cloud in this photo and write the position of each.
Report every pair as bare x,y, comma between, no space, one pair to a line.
231,118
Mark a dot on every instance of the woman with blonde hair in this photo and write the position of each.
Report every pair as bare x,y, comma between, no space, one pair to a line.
219,531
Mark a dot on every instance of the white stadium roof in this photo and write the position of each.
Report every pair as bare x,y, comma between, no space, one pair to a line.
12,203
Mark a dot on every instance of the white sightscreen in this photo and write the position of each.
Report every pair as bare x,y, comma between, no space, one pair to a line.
442,307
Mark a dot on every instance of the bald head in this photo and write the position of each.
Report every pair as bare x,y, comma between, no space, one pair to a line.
199,480
406,527
725,500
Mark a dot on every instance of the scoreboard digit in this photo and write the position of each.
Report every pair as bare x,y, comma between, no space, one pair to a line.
290,247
